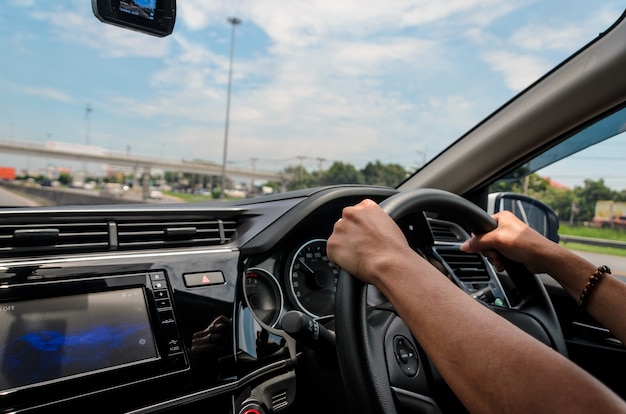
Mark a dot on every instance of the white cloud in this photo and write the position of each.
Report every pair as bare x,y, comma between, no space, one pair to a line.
300,23
78,28
23,3
49,93
539,37
519,70
529,52
359,57
566,37
478,12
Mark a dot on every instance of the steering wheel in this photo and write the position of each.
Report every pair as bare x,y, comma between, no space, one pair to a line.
381,364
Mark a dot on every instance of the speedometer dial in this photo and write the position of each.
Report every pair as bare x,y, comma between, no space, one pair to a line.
313,279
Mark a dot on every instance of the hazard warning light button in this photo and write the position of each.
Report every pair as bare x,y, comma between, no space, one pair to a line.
204,279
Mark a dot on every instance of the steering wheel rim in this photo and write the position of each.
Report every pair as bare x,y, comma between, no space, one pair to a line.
360,348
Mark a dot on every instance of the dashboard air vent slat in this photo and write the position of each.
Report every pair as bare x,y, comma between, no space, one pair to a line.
53,238
71,233
171,233
444,232
468,267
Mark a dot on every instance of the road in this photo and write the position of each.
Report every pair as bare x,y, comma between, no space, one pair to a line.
617,264
9,199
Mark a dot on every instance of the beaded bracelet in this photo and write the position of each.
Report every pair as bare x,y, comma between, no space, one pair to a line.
591,284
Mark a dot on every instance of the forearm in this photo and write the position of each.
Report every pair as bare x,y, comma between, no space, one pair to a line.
605,302
476,343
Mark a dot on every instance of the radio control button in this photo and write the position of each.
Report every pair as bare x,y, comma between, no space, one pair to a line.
157,276
167,317
159,284
160,294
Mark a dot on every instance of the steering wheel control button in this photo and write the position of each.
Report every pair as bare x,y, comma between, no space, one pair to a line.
204,279
406,355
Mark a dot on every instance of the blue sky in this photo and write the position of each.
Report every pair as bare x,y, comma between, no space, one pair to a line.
353,81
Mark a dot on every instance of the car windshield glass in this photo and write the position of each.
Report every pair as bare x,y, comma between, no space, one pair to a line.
258,97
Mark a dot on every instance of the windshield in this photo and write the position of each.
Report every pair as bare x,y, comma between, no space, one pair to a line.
257,97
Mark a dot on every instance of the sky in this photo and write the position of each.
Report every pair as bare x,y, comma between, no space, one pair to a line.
313,82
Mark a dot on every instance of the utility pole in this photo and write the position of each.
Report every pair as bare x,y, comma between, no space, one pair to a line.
253,161
300,172
320,161
234,21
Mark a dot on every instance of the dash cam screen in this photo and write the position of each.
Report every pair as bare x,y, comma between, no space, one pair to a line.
141,8
54,338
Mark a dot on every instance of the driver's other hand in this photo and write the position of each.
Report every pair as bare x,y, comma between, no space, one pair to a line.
365,241
512,239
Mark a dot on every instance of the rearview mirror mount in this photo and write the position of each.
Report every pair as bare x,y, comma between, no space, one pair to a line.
154,17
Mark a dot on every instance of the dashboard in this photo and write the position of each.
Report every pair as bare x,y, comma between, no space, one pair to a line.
163,308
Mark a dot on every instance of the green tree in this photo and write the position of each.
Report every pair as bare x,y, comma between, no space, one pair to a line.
301,178
388,175
65,178
342,173
535,185
509,186
587,196
561,200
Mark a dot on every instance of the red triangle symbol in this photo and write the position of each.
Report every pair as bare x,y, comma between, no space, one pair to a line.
205,279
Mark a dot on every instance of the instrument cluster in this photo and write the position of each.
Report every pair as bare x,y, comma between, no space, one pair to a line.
303,279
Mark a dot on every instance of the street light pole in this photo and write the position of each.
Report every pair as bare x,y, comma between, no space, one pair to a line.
88,111
234,21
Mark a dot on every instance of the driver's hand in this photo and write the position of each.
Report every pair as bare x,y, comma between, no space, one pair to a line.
514,240
365,241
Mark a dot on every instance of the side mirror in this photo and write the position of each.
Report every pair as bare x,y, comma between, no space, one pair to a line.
531,211
154,17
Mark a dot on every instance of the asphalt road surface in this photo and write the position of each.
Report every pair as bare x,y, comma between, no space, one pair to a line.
617,264
9,199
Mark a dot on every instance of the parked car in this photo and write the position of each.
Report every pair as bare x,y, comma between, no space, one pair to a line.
156,193
232,306
619,222
112,190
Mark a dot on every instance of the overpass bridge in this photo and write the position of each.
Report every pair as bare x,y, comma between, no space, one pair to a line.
85,153
91,154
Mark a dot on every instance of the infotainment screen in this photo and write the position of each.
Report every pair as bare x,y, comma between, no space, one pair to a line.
49,339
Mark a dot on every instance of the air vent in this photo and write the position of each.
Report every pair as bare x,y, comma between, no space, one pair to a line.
468,267
445,232
53,238
66,233
157,233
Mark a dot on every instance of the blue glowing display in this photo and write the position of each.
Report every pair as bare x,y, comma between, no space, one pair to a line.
55,338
